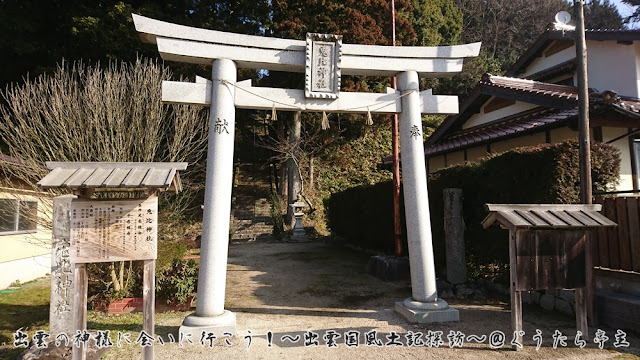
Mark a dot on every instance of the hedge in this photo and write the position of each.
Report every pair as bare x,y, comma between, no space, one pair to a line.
546,173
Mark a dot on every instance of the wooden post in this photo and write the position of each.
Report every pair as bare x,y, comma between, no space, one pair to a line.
80,310
397,224
149,300
590,289
582,294
581,312
516,297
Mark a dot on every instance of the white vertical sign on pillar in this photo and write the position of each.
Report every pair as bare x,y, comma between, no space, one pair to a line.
62,284
210,313
424,305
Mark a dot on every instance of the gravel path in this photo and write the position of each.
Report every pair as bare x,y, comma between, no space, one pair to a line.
293,290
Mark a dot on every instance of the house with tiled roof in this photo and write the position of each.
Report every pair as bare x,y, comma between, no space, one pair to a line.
25,230
536,102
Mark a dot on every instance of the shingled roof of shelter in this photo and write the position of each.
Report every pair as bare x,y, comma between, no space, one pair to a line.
113,175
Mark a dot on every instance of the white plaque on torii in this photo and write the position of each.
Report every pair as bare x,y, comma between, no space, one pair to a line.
227,52
322,70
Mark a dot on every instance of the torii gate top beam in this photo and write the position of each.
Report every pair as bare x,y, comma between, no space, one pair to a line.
202,46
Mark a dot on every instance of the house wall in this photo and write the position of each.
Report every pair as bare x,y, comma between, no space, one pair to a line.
475,153
618,73
626,165
545,62
482,118
562,134
26,256
455,158
527,140
636,45
599,66
436,163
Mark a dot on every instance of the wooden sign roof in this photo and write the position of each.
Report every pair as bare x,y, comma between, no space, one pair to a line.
113,175
552,216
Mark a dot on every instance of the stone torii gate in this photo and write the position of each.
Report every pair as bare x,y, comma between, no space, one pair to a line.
323,59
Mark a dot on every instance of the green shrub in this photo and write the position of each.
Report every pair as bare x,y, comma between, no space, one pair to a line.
111,281
177,284
101,275
168,252
535,175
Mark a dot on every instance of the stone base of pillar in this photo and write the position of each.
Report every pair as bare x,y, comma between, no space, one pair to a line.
435,312
195,325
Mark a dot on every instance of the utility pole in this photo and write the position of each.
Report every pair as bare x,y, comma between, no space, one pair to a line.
397,229
587,294
583,106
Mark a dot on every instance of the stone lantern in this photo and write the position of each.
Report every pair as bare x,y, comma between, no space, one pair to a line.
298,230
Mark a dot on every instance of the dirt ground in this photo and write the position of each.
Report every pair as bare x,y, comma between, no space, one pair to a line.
290,290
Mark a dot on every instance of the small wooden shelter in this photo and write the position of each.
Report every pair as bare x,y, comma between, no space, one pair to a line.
548,249
104,229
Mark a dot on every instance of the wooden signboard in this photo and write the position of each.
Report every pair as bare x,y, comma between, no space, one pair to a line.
113,230
550,259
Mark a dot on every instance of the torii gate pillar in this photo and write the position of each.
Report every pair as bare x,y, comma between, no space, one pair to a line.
210,314
424,305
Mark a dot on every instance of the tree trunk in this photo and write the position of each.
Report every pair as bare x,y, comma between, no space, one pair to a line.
121,275
114,278
294,184
283,180
311,169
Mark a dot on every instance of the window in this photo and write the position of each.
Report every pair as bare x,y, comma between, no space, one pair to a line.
17,216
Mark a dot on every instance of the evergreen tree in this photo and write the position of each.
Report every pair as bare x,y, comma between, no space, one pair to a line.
602,14
36,35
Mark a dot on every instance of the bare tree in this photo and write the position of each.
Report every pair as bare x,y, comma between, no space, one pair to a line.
85,113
